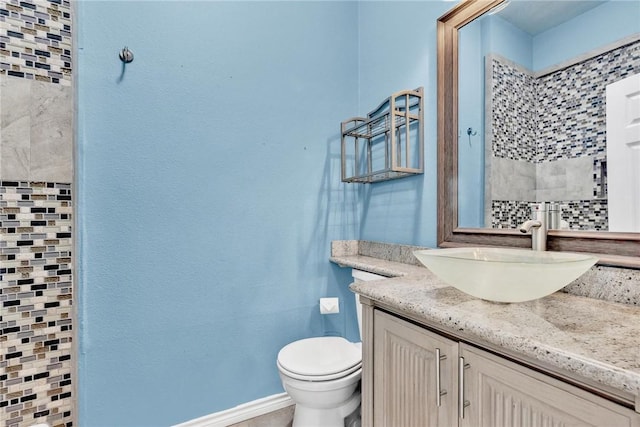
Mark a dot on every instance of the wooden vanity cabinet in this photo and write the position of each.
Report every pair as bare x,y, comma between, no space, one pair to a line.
504,393
414,375
422,379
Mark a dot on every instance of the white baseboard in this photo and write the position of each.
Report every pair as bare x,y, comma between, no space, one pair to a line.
242,412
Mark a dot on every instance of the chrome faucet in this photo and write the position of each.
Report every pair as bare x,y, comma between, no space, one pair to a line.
537,226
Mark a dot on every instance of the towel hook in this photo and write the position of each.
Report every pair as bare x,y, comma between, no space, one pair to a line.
470,133
126,55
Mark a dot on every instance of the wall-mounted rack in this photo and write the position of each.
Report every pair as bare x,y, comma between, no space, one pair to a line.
388,143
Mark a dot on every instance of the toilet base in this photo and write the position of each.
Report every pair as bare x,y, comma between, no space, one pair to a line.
313,417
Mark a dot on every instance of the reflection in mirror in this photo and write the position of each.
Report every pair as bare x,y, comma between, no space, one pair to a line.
533,115
612,248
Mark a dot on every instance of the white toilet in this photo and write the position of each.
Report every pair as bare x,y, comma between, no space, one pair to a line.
322,376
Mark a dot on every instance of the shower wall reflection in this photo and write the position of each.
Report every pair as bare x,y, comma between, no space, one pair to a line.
532,81
548,138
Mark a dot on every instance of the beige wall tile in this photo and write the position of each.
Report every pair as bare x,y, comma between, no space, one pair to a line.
15,128
51,132
512,179
565,179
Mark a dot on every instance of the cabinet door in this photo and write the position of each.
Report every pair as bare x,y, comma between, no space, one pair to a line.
502,393
411,387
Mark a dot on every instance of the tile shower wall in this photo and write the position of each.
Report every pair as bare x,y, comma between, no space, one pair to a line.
35,40
36,301
567,108
514,119
570,104
36,214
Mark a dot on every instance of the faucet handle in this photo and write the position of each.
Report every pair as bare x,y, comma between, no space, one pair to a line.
539,212
539,207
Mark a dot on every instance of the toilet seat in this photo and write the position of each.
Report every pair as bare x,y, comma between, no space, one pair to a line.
320,359
319,378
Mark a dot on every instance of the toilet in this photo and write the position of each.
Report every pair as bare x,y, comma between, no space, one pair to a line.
322,376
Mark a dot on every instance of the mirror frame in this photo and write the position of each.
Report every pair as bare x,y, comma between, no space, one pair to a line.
612,248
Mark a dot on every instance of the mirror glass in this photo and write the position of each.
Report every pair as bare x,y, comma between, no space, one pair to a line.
534,118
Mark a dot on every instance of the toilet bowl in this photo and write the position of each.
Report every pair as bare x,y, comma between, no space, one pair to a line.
322,376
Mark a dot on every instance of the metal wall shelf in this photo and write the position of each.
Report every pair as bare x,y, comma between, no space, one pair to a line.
388,143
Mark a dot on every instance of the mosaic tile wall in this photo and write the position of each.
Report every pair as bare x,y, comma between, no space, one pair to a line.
36,300
36,264
566,110
571,104
563,112
514,113
35,40
509,213
586,214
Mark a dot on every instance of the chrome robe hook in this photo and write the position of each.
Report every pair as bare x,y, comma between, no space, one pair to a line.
470,133
126,55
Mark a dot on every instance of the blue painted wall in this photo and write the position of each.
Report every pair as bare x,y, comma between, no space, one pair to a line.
471,147
488,34
208,182
209,190
398,51
595,28
503,38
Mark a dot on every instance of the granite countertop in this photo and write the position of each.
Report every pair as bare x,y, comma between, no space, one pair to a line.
588,340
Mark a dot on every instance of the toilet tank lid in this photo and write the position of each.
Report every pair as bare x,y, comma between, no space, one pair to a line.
320,356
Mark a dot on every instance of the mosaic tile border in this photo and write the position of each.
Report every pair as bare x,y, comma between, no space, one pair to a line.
35,40
509,213
590,215
36,289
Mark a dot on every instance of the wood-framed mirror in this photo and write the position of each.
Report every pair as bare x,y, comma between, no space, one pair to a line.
613,248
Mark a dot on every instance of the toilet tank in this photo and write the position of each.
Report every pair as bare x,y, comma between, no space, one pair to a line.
362,276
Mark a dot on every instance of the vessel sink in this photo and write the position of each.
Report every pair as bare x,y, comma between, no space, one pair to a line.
505,274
